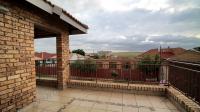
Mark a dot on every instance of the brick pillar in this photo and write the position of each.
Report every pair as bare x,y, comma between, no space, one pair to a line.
62,43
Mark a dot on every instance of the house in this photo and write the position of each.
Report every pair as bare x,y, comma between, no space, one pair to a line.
189,59
91,55
74,57
22,21
113,63
45,57
164,53
104,54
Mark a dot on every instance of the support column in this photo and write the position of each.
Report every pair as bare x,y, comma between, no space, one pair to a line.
62,46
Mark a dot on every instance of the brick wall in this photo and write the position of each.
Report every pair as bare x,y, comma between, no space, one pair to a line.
17,65
144,89
17,73
62,43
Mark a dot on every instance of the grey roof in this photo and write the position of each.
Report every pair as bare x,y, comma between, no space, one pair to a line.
64,15
188,56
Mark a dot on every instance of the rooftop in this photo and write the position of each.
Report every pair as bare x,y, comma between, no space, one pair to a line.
165,52
191,56
44,55
57,15
52,8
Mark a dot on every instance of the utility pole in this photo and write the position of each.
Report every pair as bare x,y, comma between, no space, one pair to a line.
160,53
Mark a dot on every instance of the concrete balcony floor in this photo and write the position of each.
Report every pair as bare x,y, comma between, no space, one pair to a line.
82,100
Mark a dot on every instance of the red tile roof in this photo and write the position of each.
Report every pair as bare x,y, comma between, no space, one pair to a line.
45,55
165,52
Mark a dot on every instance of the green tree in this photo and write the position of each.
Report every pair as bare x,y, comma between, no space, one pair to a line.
149,64
114,74
84,66
79,51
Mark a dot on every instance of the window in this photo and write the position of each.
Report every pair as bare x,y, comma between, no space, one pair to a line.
99,64
112,65
126,65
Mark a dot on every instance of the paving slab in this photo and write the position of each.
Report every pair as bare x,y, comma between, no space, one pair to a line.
83,100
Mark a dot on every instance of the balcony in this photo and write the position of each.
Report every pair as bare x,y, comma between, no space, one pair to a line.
120,87
83,100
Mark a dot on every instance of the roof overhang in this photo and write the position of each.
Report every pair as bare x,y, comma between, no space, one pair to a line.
63,15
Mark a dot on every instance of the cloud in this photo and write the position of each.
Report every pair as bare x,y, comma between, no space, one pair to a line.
135,24
139,42
45,45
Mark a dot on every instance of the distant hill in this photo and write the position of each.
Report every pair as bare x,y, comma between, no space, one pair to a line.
126,54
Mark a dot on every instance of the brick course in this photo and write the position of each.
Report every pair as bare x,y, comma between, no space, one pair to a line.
132,88
182,101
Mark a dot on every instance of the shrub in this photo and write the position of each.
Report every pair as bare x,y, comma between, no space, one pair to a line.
114,74
84,66
149,65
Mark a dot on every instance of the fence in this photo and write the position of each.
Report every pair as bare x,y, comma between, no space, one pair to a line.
186,78
46,70
124,72
130,73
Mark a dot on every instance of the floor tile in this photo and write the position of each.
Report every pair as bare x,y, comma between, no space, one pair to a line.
81,100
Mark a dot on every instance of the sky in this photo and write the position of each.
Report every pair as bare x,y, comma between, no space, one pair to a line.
131,25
